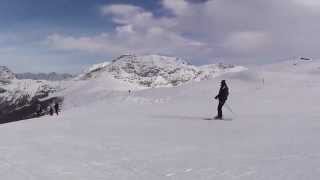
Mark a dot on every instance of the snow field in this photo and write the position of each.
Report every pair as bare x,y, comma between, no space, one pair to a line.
162,133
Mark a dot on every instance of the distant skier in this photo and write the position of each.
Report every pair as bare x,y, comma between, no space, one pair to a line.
56,108
38,109
50,109
222,97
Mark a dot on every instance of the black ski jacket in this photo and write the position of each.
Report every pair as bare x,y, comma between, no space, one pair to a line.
223,93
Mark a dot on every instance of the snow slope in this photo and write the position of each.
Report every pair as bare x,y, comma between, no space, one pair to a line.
162,133
133,73
83,92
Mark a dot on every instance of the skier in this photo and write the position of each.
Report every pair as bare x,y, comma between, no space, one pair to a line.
222,97
56,108
50,109
38,109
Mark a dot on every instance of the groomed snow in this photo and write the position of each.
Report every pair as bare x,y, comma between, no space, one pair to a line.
162,133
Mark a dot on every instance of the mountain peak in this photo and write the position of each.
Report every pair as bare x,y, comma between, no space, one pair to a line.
153,70
6,74
152,58
53,76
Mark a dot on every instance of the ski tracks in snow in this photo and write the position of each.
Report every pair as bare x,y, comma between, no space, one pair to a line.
209,173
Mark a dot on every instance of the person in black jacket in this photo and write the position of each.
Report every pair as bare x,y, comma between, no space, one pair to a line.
222,97
56,108
50,109
38,109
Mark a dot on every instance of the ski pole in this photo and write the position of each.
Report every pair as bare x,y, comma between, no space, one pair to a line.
229,108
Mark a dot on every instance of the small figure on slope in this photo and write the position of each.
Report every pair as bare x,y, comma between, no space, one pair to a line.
38,109
56,108
50,109
222,97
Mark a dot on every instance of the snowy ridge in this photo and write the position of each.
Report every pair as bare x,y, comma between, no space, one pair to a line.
16,94
27,88
6,74
97,67
20,94
295,66
44,76
156,70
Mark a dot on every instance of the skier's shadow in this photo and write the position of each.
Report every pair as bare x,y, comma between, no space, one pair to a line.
212,119
181,117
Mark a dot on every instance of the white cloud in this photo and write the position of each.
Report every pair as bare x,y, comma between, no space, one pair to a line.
138,31
120,9
127,29
94,44
124,40
125,14
246,42
205,30
178,7
309,3
7,50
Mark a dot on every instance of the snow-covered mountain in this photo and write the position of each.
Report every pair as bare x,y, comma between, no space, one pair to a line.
127,72
17,94
156,70
133,73
44,76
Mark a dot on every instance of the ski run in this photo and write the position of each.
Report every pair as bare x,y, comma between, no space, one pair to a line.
104,132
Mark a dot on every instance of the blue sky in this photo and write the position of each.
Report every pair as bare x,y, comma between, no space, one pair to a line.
69,35
26,23
70,15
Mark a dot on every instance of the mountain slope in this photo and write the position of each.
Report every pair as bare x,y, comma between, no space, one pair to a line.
133,73
161,133
156,71
43,76
16,95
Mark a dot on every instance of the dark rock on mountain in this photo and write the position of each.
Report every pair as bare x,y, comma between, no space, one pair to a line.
43,76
